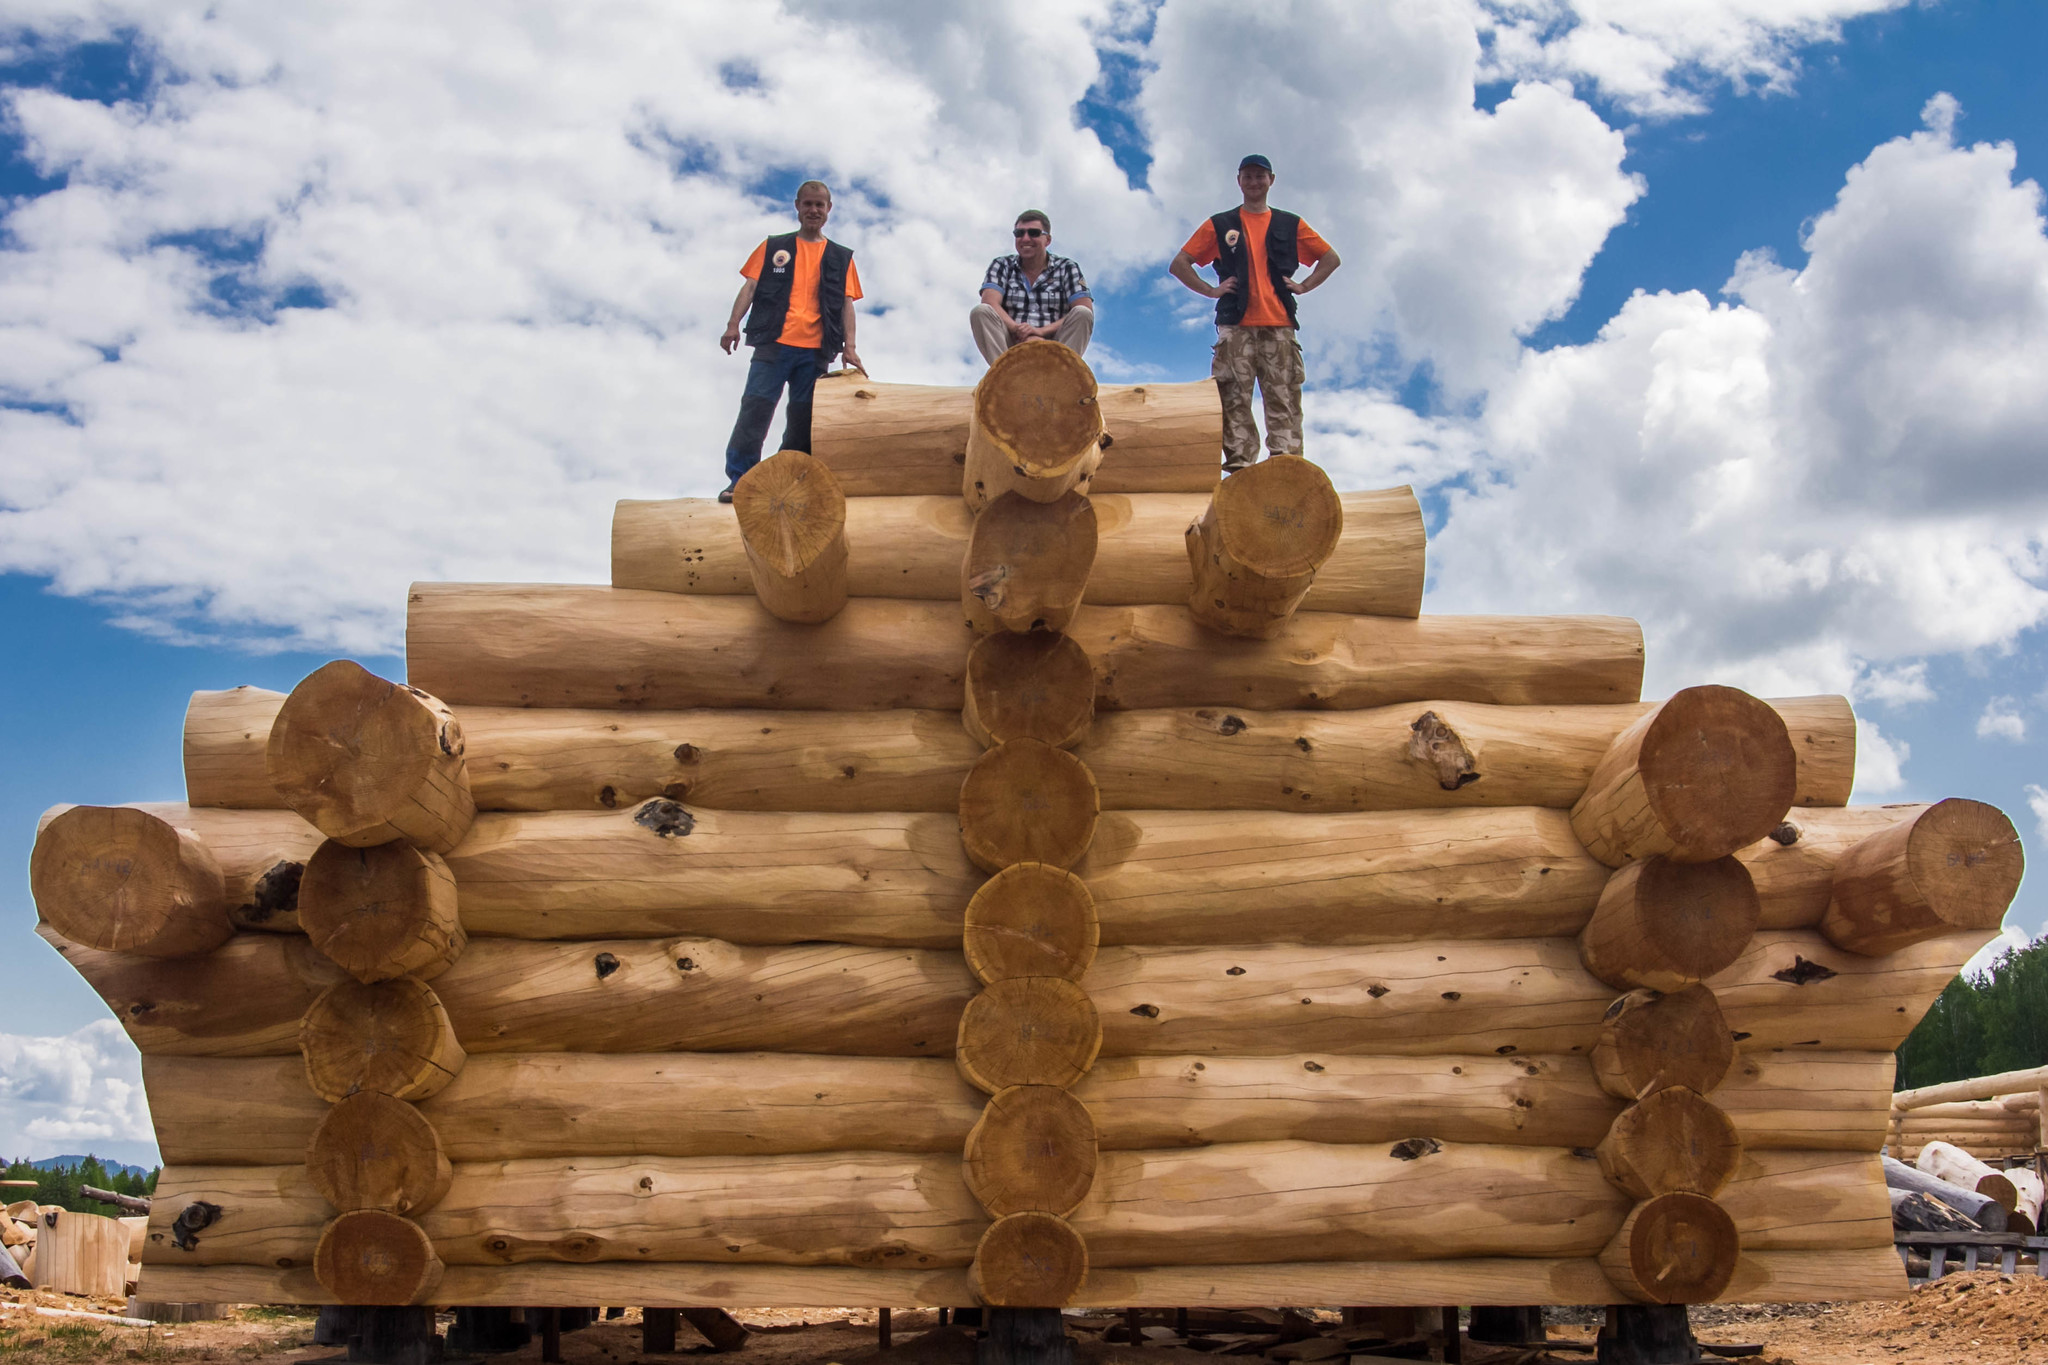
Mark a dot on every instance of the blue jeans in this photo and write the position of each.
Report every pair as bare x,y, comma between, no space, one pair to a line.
774,365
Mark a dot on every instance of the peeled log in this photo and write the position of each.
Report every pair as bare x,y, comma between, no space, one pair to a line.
1796,990
376,1258
1255,550
368,761
1027,563
374,1152
223,729
1033,1149
1650,1041
1946,1161
1665,925
512,645
1807,1201
262,854
1034,1030
392,1037
1671,1141
1025,801
894,439
380,912
1028,1260
1955,866
1676,1248
792,520
122,880
1037,686
1035,427
1030,919
1710,771
911,547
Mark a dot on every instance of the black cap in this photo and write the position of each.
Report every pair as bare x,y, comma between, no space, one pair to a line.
1255,160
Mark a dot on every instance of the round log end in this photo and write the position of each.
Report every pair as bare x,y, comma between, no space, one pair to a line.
1675,1248
1036,1030
1026,802
392,1037
366,761
1718,771
1027,563
1032,1151
1955,867
370,1257
1279,518
1031,919
123,881
1650,1041
791,511
375,1152
379,912
1666,925
1671,1142
1028,1260
1038,686
1037,405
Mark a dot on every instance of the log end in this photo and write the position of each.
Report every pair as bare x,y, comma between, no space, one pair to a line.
1031,919
1039,686
1649,1041
124,881
1028,1260
1026,801
1279,518
1027,563
1955,868
1666,925
1718,771
374,1152
392,1037
1671,1142
1032,1150
381,912
1675,1248
1028,1031
1037,406
370,1257
792,518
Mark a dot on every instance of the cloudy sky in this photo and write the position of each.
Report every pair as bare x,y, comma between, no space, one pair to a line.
1730,315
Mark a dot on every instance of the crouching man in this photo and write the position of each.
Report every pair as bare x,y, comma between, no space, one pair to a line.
1032,293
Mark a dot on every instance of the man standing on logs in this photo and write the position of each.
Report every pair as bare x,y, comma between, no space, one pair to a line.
1032,293
1256,250
798,301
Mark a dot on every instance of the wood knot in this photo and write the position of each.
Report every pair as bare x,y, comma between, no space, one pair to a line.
1786,834
1376,991
193,1219
1801,971
1145,1011
608,797
666,818
1311,1066
606,965
1413,1148
1431,740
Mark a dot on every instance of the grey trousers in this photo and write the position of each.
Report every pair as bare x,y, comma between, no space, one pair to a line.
992,334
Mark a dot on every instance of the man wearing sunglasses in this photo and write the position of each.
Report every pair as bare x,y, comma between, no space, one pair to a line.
1032,293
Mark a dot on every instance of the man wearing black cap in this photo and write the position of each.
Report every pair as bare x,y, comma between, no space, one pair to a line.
1256,250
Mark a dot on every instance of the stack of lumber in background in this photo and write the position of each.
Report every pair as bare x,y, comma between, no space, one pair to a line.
991,861
1987,1116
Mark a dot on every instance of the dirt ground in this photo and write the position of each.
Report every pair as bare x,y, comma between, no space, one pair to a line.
1964,1319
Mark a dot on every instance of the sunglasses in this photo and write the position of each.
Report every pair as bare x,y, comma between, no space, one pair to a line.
1027,232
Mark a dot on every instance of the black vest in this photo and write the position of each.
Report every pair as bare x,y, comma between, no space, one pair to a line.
1282,260
771,294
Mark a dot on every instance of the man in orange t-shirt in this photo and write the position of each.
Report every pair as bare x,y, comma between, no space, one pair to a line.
1256,250
798,303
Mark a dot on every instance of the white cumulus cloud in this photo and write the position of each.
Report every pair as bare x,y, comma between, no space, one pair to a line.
58,1093
2001,719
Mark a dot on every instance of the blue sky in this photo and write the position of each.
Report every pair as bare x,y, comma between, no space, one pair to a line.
276,338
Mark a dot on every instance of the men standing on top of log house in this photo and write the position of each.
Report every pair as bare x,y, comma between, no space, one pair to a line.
798,302
1256,250
1032,293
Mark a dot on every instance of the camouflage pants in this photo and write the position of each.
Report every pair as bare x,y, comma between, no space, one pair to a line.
1271,357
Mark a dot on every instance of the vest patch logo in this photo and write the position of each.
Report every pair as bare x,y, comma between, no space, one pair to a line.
1230,237
781,259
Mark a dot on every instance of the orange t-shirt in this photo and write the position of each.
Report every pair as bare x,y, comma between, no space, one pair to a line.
1262,309
801,325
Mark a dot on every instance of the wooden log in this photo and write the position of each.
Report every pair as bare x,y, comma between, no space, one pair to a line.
374,1152
2027,1184
1805,1201
1671,1141
384,911
1028,1260
1922,1213
1030,919
1794,867
79,1253
911,547
377,1258
792,521
1027,563
1808,1101
1035,428
488,645
1946,1161
1037,686
122,880
1256,548
1976,1088
1796,990
1676,1248
1665,925
393,1037
262,855
893,439
1026,802
367,761
1033,1149
1955,866
224,731
1034,1030
1710,771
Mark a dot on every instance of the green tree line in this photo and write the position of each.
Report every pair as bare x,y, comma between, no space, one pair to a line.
60,1186
1994,1021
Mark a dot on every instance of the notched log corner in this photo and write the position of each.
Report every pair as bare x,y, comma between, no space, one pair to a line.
1432,741
1412,1148
666,818
1802,971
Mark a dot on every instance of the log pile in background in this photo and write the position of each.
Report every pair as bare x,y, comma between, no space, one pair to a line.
1986,1116
994,863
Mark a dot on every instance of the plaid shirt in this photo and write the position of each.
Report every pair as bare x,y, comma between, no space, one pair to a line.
1041,304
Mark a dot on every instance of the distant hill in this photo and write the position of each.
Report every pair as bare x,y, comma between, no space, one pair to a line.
51,1163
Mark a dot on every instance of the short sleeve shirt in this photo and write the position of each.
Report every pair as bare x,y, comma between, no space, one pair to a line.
1262,309
801,326
1052,297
